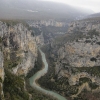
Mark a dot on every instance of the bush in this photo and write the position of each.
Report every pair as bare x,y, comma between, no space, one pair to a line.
14,87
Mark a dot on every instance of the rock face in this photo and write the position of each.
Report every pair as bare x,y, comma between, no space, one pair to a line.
81,54
46,30
1,66
1,73
18,50
79,49
84,26
39,40
74,61
18,41
47,23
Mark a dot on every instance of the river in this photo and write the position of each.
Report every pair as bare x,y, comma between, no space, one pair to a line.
38,75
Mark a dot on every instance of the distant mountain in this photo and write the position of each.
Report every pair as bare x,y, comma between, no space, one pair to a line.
96,16
29,9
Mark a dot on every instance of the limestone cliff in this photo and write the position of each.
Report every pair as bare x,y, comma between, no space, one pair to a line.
1,72
19,45
18,52
39,40
84,25
75,57
81,48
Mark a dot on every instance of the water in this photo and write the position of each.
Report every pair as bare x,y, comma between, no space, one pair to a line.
42,73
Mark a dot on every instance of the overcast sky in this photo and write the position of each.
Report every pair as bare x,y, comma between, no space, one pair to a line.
90,4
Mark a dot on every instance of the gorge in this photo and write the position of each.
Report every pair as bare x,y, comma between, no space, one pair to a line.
49,50
71,61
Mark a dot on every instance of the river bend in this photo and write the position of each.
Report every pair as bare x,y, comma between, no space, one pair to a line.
38,75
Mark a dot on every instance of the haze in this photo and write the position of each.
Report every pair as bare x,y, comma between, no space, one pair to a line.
89,4
42,9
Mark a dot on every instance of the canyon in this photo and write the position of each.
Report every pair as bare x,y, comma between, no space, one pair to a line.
73,60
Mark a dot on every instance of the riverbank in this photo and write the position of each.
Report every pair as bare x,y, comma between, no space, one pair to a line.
38,75
37,66
50,80
35,94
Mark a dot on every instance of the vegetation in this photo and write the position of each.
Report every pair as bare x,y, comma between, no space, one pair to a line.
60,85
36,95
0,44
36,31
86,95
84,80
0,92
75,36
11,22
53,29
93,85
11,59
12,62
14,87
91,33
52,82
37,67
15,22
0,40
0,79
88,80
98,43
93,71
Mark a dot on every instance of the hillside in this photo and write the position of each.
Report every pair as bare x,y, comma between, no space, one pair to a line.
94,15
74,61
19,60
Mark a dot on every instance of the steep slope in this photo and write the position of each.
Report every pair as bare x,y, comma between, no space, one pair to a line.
1,70
19,60
75,61
17,56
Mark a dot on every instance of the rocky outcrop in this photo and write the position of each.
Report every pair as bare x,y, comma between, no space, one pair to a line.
84,26
18,51
81,54
39,40
1,66
74,61
80,48
19,45
47,23
1,74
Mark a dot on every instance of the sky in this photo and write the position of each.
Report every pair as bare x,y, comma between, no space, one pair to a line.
90,4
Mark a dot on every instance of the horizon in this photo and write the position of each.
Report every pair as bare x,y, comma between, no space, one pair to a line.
93,5
47,9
